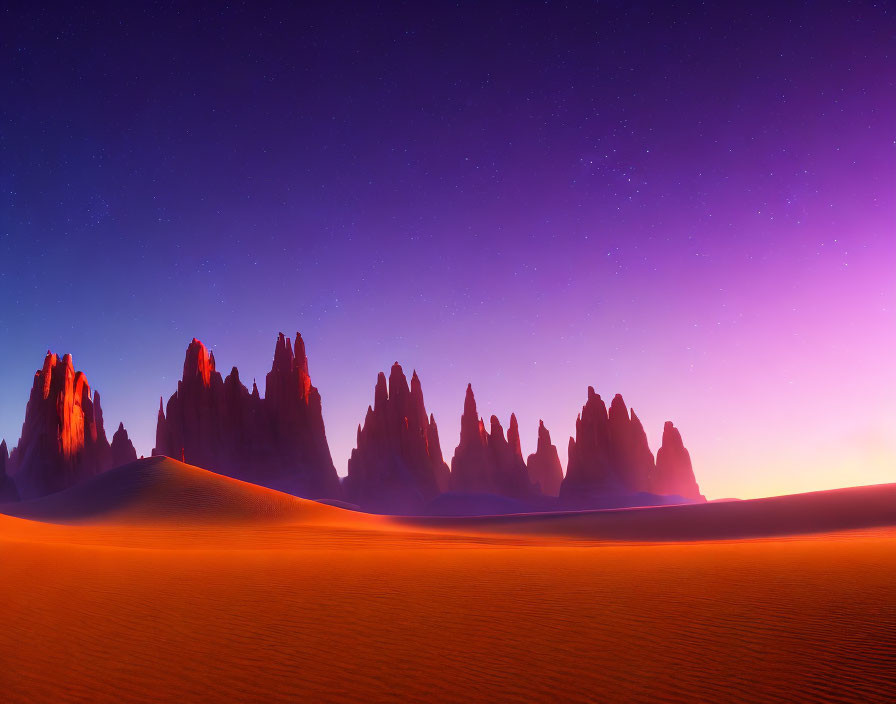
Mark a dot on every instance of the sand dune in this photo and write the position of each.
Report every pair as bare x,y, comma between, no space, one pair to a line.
163,490
815,512
176,584
160,490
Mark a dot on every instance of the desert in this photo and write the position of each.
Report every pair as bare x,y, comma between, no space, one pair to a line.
448,352
176,583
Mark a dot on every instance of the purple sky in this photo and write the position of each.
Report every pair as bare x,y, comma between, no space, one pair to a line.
693,206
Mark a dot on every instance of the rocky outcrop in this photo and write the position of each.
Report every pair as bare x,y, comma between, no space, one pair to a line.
610,455
629,451
277,441
293,406
543,465
8,491
63,440
397,465
487,462
588,467
472,459
123,451
510,476
674,474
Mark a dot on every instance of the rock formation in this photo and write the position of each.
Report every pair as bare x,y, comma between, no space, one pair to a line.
486,462
123,451
674,473
63,440
544,464
629,451
397,465
588,466
610,455
277,441
8,491
472,459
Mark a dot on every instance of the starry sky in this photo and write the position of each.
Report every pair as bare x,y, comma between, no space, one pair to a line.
691,204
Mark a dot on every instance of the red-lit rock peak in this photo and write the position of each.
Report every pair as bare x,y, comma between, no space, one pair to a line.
277,441
63,440
289,372
397,465
199,364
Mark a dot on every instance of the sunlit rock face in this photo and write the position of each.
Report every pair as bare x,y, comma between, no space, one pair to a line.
486,461
674,473
8,491
277,441
63,440
544,466
610,455
397,465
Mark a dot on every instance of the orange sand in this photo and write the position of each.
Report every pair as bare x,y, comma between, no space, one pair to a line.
317,604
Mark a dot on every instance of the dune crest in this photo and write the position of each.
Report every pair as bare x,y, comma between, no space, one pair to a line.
794,514
163,490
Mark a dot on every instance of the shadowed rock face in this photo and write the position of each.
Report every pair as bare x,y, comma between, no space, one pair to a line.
588,466
674,473
63,440
629,451
487,462
544,464
397,465
610,454
277,441
123,451
8,491
472,459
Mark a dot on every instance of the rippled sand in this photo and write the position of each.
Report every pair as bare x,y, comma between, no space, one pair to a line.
311,610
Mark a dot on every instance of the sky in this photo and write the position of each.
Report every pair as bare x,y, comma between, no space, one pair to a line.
690,204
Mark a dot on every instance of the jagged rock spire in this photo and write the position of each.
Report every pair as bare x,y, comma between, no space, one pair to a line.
674,473
8,492
277,441
486,461
471,464
123,451
397,465
544,464
472,431
199,365
513,437
610,454
588,466
63,439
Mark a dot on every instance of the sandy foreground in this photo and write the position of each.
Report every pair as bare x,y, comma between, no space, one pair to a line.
311,603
